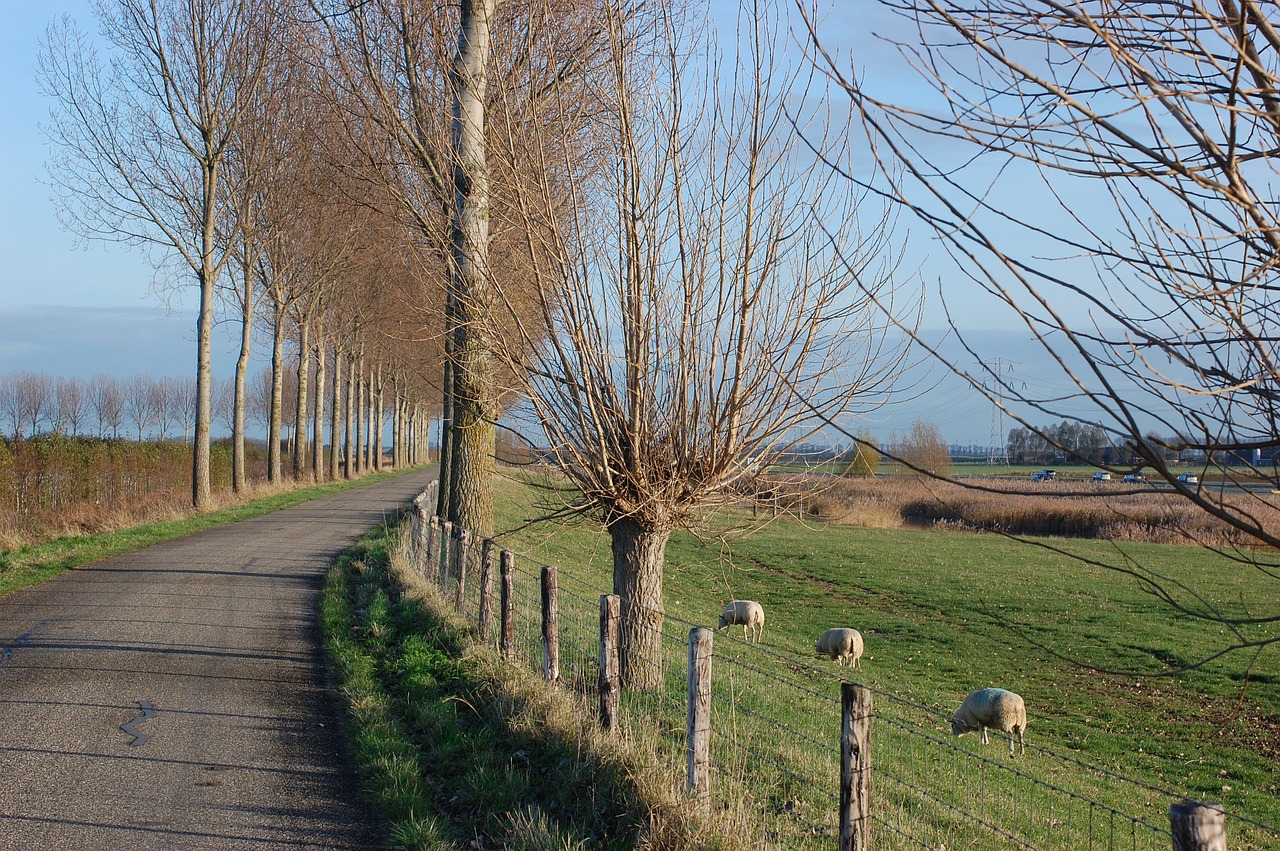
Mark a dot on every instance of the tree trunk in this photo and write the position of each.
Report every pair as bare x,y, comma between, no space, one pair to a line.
357,374
445,490
275,426
317,439
348,455
335,429
239,476
474,408
637,580
378,420
300,410
201,496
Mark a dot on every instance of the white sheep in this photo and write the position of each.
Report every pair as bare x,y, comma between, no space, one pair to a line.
749,613
840,644
992,707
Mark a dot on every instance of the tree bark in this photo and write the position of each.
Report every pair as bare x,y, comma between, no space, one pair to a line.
300,410
335,428
317,439
378,420
274,427
357,376
638,553
474,410
348,469
238,472
201,496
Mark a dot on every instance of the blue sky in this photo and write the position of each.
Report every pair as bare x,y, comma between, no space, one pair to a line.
71,308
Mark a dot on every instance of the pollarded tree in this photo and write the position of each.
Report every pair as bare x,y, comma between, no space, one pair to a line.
140,141
703,321
1107,174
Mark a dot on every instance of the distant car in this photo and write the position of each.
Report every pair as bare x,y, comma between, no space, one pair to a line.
1102,476
1189,479
1044,475
1133,478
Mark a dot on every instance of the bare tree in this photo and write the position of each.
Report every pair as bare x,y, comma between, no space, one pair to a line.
33,398
1139,248
140,398
408,65
71,404
180,396
924,450
107,400
140,141
9,403
704,323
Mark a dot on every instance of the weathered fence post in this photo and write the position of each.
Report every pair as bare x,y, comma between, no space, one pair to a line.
446,555
1197,826
415,529
464,556
550,625
486,589
610,607
698,747
508,635
432,553
855,767
423,520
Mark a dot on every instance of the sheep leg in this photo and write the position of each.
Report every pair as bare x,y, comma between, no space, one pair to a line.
985,740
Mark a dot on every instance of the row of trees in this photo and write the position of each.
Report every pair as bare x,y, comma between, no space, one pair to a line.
32,402
142,406
602,210
592,207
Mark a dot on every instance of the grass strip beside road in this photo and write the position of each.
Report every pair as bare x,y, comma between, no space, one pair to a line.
32,564
457,749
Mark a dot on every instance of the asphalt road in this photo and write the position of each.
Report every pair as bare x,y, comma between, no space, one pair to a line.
175,697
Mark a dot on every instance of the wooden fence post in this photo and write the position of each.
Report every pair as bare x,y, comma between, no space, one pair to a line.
610,607
698,747
855,767
550,625
429,556
508,637
464,556
486,589
423,518
446,555
1198,827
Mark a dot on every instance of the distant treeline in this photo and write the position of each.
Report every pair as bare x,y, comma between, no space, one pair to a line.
138,407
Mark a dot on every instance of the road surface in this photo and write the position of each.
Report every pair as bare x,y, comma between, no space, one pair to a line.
175,697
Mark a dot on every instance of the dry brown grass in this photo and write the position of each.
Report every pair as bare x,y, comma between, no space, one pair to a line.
80,519
1025,508
667,819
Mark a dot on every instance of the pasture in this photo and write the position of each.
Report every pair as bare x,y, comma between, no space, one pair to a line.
1095,654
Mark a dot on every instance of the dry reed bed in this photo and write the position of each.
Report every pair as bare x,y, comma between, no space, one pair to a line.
1024,508
57,486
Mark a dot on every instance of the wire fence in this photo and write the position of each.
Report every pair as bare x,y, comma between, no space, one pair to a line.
775,747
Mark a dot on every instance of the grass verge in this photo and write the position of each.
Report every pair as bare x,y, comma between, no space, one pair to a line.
945,612
35,563
460,750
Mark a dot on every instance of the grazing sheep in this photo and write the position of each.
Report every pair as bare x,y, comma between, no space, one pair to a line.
992,707
749,613
840,644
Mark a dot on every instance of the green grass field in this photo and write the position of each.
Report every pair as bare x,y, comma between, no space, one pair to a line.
945,612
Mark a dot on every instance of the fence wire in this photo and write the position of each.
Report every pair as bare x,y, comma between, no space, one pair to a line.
775,743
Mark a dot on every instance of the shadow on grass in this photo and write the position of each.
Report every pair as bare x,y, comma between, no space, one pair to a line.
458,749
